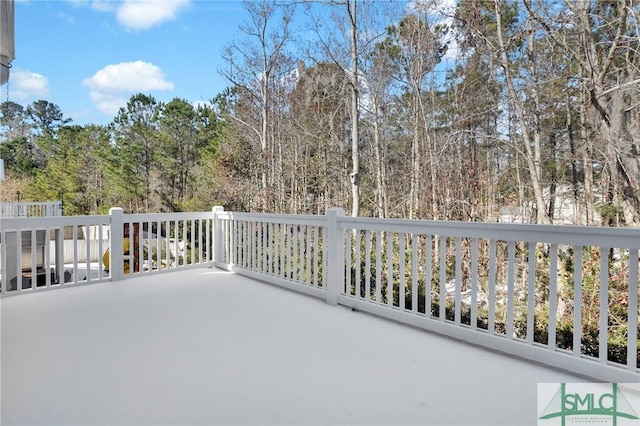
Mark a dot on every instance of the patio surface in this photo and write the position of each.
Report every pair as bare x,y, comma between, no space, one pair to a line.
209,347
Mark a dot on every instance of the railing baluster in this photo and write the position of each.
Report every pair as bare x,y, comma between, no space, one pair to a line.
136,233
511,265
367,265
260,244
379,267
101,250
349,262
245,254
316,250
531,292
47,257
273,248
271,252
553,295
604,305
181,243
193,241
34,262
235,244
243,244
261,237
402,239
390,283
428,268
632,307
577,302
325,259
87,240
4,276
458,287
201,231
295,260
209,242
255,246
358,262
492,287
167,247
474,284
19,260
284,241
443,278
252,248
307,246
75,253
283,249
414,273
157,242
289,251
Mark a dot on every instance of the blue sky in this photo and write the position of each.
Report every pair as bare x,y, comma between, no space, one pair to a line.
89,57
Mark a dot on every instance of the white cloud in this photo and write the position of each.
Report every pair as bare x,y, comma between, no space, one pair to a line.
26,86
129,76
136,15
108,103
111,86
145,14
103,6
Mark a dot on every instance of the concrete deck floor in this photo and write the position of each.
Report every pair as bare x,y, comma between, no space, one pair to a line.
208,347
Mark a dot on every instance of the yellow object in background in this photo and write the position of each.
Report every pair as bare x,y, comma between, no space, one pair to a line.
125,250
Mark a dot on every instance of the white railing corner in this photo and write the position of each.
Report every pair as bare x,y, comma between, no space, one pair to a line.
334,251
116,242
218,238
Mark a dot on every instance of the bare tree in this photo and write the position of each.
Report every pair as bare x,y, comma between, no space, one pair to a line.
348,34
602,39
257,64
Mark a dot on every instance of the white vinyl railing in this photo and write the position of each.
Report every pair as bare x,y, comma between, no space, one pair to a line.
52,252
31,209
565,296
285,249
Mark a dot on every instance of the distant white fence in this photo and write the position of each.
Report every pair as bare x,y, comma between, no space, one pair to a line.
29,209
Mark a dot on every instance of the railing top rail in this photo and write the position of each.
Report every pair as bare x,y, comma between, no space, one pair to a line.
274,218
553,234
13,223
150,217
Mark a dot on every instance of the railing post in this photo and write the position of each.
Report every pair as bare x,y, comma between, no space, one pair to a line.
334,251
59,259
116,251
218,238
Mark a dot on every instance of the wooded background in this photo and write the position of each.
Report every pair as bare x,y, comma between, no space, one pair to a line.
383,108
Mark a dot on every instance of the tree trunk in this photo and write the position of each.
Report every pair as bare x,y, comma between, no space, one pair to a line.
355,114
381,190
531,143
